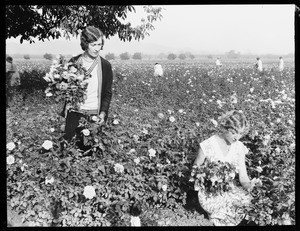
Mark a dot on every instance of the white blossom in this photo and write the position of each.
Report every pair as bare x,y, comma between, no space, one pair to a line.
160,115
10,159
135,221
215,123
89,192
47,144
119,168
137,160
49,180
10,146
152,152
164,187
116,121
259,169
172,119
86,132
95,118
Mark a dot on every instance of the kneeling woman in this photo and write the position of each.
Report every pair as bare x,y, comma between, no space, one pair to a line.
99,89
225,209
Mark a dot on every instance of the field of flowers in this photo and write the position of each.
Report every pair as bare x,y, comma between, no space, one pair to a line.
146,151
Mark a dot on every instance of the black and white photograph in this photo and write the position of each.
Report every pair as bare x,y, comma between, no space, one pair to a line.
150,115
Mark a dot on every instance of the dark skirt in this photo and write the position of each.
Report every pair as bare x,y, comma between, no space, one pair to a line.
72,129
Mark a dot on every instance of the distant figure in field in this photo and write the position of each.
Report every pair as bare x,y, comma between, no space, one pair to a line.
258,64
281,64
158,71
218,62
13,80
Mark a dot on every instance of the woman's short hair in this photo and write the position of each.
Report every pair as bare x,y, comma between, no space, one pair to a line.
90,34
234,120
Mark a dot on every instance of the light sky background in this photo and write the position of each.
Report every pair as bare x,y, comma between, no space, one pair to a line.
200,29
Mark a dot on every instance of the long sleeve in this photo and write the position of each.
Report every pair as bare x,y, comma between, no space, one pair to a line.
106,87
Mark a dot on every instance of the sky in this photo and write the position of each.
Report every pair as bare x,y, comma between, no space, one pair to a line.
200,29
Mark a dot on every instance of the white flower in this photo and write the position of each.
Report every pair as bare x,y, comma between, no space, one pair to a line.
131,151
215,123
278,120
47,79
52,129
49,180
86,132
170,111
152,152
172,119
197,124
233,98
160,115
47,144
251,89
10,146
116,121
95,118
49,94
80,77
137,160
164,187
259,169
159,165
219,102
23,167
145,131
119,168
277,150
214,178
10,159
232,174
290,122
267,137
89,192
135,221
180,111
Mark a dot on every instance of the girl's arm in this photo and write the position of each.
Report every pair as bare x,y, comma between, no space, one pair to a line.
243,176
200,157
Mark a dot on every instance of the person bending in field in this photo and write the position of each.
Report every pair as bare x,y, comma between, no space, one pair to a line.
218,62
13,80
225,209
258,64
280,64
99,89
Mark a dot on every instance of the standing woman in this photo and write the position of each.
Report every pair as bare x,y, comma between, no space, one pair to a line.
99,89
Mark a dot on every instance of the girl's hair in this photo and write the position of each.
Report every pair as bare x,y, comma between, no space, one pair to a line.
234,120
90,34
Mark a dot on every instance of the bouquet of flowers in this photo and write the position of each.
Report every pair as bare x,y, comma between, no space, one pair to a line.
67,81
213,176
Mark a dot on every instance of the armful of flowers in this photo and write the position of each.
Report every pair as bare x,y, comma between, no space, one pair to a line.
67,81
213,176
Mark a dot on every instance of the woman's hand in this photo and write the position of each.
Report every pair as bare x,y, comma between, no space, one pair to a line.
102,116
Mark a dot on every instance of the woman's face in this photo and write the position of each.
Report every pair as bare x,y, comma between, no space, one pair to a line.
232,136
95,47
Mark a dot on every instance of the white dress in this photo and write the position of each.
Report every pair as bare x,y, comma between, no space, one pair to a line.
224,209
